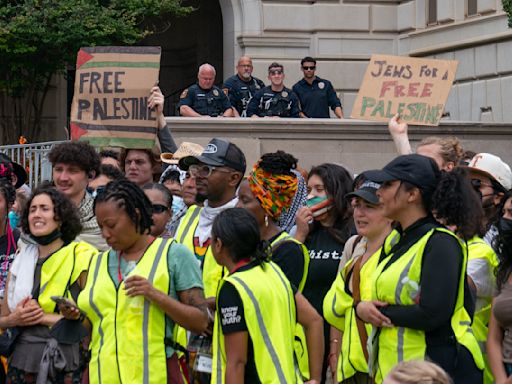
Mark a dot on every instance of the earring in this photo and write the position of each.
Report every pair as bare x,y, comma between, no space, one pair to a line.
266,221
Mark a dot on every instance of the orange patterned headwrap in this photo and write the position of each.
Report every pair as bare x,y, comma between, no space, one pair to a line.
274,191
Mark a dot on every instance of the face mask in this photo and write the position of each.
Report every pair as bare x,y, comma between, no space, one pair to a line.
47,239
177,204
14,218
319,205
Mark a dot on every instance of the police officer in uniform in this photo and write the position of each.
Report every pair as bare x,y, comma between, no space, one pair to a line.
204,98
274,100
240,88
316,95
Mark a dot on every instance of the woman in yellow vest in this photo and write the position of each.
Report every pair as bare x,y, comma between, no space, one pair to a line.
136,292
267,192
52,264
257,310
420,306
349,364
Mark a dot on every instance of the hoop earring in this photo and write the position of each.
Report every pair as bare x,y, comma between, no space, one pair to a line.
266,221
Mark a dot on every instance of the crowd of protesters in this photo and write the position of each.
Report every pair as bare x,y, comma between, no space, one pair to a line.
135,266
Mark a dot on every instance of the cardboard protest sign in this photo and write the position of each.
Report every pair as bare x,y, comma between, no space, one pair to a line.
415,88
110,103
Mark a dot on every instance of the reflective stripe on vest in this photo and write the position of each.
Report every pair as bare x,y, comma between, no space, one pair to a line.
339,311
270,328
284,237
399,284
128,334
187,222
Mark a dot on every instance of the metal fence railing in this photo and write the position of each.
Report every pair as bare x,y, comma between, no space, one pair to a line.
34,158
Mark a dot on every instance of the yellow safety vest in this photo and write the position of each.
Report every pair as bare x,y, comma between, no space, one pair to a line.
212,272
479,249
270,318
398,284
61,270
339,311
300,344
128,333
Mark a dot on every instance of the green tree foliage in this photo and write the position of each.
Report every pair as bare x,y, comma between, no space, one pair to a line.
41,38
507,7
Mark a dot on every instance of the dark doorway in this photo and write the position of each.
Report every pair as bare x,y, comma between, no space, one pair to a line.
189,42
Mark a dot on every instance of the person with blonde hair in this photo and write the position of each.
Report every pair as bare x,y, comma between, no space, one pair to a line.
417,372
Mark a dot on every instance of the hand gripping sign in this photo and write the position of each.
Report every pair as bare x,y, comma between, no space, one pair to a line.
110,103
416,89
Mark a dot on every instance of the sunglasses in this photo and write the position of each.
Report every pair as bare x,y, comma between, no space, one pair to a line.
159,208
307,68
477,183
97,191
276,72
204,170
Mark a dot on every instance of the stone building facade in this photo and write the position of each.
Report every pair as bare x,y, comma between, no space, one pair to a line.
341,35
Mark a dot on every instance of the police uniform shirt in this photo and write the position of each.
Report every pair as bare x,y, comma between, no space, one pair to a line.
212,102
315,99
240,92
266,102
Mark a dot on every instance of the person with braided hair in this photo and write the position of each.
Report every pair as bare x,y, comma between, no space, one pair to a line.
136,292
257,309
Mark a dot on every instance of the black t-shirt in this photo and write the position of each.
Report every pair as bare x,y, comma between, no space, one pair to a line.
290,258
6,259
231,310
325,254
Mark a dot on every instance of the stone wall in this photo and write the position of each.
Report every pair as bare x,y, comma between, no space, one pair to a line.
359,145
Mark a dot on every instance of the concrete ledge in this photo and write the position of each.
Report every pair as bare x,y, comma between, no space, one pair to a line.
357,144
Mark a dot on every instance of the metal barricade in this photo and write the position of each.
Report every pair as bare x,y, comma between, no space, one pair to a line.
34,158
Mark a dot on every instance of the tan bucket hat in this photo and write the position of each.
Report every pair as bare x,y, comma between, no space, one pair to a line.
185,149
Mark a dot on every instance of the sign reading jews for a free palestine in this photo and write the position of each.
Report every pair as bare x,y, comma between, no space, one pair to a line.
110,103
416,89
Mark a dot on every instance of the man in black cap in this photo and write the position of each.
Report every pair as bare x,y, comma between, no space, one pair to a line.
218,171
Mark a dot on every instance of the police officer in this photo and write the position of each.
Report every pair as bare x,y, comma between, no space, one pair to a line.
204,98
240,88
316,95
274,100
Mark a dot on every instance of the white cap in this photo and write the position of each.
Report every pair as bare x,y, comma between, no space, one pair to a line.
493,167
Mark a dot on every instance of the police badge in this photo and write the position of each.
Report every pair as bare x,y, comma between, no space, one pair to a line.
284,94
215,92
321,85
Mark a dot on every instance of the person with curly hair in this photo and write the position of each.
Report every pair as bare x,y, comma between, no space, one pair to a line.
136,293
421,306
74,165
55,265
257,309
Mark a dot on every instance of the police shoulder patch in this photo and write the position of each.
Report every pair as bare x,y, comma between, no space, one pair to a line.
215,92
321,85
184,93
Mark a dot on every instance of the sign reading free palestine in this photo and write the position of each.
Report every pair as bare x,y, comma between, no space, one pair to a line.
416,89
110,102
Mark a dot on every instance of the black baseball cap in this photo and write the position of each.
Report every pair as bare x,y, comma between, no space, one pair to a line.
367,191
220,153
418,170
9,168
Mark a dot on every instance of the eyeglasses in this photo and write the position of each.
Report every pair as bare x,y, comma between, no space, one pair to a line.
97,191
275,72
204,170
309,68
159,208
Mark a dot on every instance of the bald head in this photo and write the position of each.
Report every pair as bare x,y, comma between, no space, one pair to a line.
206,76
244,68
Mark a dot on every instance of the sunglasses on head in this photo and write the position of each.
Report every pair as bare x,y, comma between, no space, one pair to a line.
309,68
159,208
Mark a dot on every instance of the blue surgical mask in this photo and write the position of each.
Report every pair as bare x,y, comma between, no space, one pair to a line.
177,204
